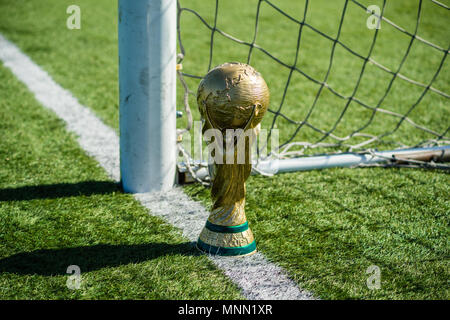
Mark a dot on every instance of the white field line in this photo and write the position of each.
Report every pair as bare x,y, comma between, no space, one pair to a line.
258,278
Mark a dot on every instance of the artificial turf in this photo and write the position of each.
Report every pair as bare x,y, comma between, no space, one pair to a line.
325,227
59,208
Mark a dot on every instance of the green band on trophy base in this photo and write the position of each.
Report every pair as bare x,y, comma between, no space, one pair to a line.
226,251
226,229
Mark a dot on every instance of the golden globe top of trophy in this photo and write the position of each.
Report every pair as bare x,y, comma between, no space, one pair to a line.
231,96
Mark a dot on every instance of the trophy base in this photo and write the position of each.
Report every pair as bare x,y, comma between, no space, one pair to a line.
226,240
226,251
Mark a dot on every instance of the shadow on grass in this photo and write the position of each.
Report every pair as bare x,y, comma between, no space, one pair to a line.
59,190
50,262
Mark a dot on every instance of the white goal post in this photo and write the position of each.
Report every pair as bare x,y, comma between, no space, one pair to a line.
147,84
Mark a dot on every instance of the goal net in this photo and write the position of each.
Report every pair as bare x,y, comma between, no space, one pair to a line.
344,76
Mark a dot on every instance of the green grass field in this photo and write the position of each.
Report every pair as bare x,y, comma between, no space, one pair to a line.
324,227
58,208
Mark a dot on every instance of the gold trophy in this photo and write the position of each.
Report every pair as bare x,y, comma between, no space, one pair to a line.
231,96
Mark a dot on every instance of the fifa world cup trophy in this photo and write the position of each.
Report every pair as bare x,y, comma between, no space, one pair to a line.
232,97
